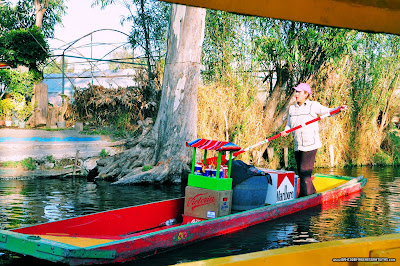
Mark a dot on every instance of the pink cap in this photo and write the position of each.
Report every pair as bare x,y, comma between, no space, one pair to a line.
303,87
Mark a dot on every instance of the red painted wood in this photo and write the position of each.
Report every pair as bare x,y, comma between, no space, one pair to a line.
115,223
118,222
151,244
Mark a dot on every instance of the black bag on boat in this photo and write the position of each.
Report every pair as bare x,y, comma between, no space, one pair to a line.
240,171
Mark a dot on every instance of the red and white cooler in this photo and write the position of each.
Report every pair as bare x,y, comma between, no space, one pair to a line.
283,186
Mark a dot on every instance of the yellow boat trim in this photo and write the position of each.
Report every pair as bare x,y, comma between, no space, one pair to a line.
322,184
360,251
81,242
366,15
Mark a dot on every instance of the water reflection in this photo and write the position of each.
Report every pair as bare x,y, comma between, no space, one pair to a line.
25,202
374,211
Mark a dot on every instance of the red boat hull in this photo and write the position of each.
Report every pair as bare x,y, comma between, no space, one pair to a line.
135,232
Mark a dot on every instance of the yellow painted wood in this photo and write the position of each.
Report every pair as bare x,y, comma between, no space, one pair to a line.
386,253
318,253
323,184
367,15
81,242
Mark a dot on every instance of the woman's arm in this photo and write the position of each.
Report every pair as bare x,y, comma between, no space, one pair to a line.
319,109
287,127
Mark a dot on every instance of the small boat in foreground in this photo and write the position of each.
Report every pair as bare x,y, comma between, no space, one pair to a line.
374,250
140,231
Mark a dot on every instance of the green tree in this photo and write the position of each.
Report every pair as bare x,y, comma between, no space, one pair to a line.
122,55
375,75
149,19
24,47
55,66
221,42
177,115
8,18
17,82
44,14
292,52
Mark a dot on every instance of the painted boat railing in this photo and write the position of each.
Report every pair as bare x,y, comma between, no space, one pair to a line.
373,250
151,243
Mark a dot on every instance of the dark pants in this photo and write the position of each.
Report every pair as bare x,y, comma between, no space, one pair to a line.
305,165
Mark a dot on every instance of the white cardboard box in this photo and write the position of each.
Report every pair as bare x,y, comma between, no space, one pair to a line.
282,188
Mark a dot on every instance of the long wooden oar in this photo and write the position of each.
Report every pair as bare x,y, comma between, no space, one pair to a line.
224,158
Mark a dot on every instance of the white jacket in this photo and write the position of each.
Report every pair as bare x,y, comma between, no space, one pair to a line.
307,137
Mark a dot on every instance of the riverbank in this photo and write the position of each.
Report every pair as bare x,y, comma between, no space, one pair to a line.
31,153
21,174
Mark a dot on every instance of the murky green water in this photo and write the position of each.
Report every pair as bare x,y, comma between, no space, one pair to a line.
374,211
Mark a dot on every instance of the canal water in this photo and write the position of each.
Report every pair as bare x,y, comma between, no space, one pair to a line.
374,211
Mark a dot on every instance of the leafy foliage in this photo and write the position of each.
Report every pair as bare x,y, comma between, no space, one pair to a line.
294,51
18,82
24,47
221,44
343,67
55,66
104,153
23,16
149,20
29,164
375,75
7,17
6,106
123,55
146,168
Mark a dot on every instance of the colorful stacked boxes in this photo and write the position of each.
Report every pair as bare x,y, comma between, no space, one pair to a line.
209,191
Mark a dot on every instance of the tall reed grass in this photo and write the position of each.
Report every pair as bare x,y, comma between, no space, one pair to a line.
234,113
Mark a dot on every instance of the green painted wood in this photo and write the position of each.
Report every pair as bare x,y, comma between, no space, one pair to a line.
91,254
218,165
47,249
209,182
334,176
193,160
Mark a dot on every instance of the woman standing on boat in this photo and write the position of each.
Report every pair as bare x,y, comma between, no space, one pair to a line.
306,139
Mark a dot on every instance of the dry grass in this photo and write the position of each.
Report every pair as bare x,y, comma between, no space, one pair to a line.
223,110
235,111
231,111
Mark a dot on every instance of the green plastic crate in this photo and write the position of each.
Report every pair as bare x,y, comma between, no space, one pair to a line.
209,182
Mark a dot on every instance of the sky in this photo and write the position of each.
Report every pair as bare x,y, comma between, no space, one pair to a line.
82,19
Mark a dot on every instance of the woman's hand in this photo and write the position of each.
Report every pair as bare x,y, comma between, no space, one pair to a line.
343,107
284,134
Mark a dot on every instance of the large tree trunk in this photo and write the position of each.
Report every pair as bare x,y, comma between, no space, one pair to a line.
40,10
163,147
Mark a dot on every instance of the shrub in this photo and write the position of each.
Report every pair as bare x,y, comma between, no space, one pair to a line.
26,47
50,158
104,153
18,82
146,168
28,164
6,107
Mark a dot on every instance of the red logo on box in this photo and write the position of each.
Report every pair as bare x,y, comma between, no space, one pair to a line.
200,200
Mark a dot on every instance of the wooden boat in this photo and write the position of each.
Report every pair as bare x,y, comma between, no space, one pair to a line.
139,231
375,250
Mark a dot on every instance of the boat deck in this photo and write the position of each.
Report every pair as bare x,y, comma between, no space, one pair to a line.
82,242
139,231
325,183
322,183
